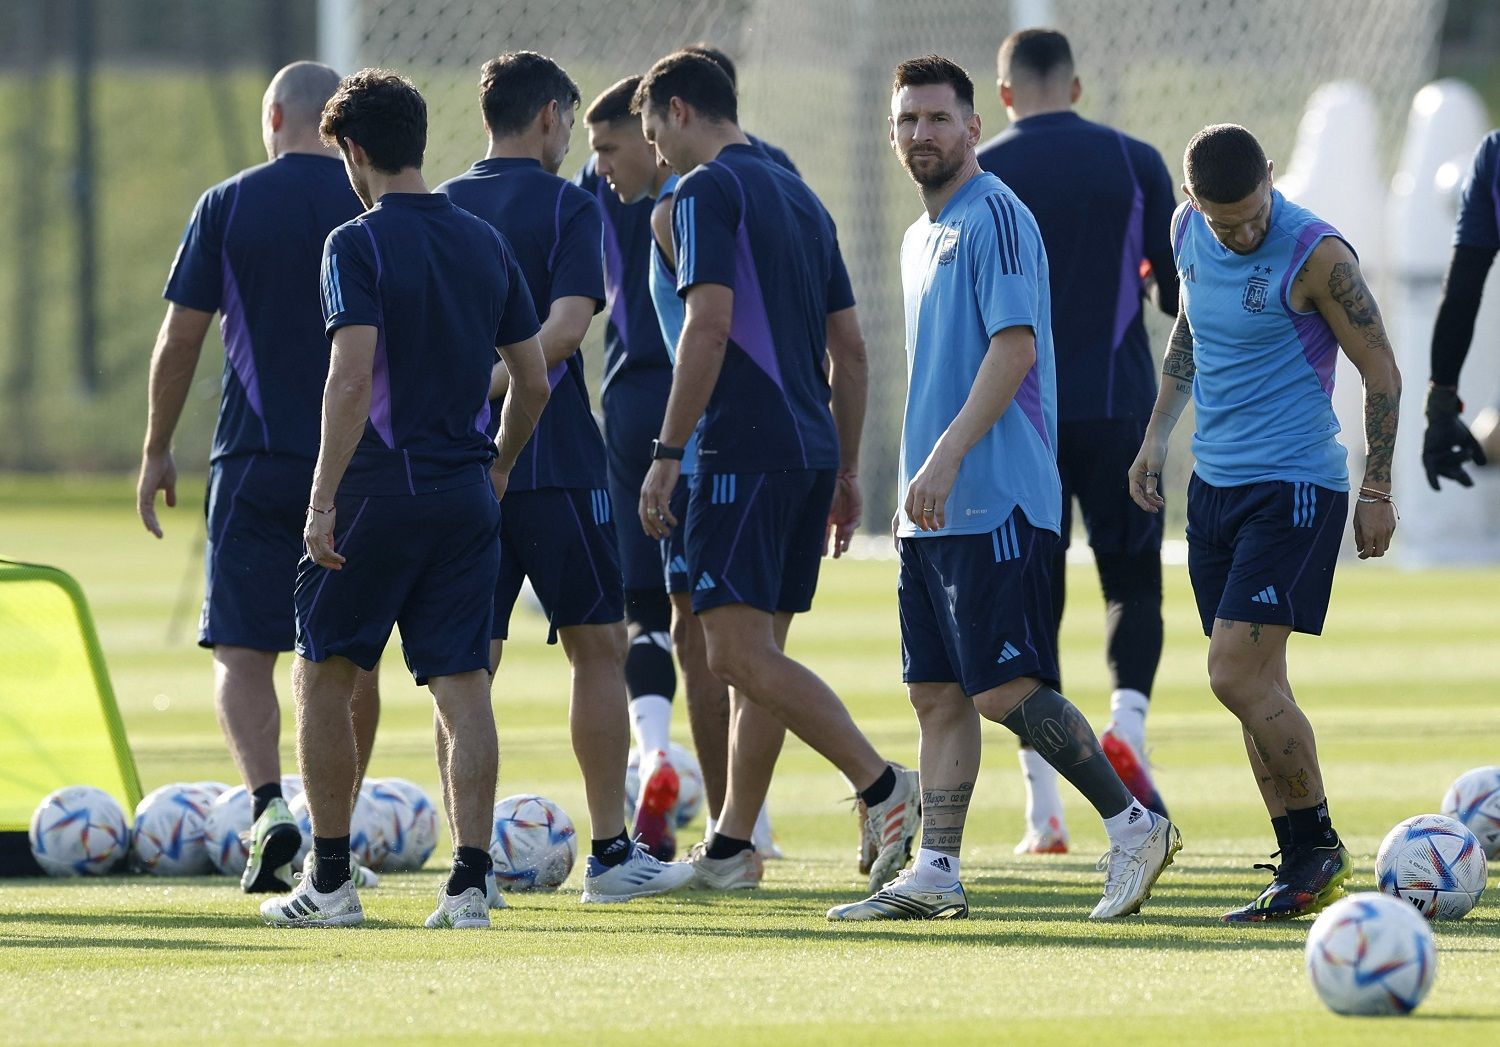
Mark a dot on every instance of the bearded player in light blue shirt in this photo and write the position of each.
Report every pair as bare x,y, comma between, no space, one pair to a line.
1270,292
983,502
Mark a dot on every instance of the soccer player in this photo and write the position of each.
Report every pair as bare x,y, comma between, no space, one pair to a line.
1448,443
557,528
251,252
1104,204
1270,292
979,523
724,62
767,302
402,520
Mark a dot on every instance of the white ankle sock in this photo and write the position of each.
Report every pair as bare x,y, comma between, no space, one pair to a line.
651,722
1128,828
1043,804
934,870
1128,710
761,834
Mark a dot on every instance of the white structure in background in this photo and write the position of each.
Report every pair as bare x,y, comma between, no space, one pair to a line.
1454,526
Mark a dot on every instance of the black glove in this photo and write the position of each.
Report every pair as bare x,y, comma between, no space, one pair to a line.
1448,444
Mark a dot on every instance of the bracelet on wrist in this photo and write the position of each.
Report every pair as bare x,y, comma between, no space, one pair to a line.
320,512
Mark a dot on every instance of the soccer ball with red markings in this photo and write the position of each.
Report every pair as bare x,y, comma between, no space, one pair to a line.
409,823
79,831
168,837
1434,863
1370,954
1474,799
533,844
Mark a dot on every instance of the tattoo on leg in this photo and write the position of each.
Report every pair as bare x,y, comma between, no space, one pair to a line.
1226,624
1297,787
1291,746
1255,628
943,815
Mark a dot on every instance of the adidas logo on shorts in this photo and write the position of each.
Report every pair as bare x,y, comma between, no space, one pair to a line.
678,565
1266,595
1007,653
705,583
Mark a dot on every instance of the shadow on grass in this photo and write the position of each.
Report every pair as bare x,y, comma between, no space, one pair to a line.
164,944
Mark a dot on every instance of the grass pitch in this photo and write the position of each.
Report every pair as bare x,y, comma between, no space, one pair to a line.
1401,688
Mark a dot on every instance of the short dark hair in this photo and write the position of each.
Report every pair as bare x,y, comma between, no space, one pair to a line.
1040,52
934,69
1224,164
614,103
516,86
698,81
717,57
384,113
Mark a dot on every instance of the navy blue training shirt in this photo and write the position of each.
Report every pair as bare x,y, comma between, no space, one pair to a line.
556,231
251,252
1104,203
1479,213
444,290
747,223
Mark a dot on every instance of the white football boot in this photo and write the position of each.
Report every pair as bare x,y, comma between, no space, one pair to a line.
1130,874
469,911
638,876
306,907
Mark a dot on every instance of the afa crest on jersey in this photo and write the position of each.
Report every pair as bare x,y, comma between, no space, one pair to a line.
1254,299
948,247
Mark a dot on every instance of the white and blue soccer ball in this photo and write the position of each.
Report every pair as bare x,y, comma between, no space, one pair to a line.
367,840
1474,799
167,838
1435,864
79,831
409,823
225,828
1370,954
291,787
689,787
533,844
214,790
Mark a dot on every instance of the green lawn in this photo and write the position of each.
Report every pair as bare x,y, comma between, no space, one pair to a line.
1402,688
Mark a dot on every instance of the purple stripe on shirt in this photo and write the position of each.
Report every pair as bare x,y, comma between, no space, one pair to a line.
1319,346
1128,302
380,379
557,227
614,269
1029,399
237,347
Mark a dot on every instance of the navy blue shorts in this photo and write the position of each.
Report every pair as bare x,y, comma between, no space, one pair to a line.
1094,459
976,609
426,563
674,564
633,410
757,538
256,506
1264,553
563,539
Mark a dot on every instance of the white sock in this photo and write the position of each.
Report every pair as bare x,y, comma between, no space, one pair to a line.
1128,710
761,834
709,821
1044,812
651,722
934,870
1128,828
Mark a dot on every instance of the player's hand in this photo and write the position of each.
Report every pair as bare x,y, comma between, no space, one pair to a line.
1145,475
656,494
158,473
499,480
927,494
317,535
1448,444
1374,524
844,514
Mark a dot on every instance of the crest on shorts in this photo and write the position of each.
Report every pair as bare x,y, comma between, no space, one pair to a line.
948,247
1255,294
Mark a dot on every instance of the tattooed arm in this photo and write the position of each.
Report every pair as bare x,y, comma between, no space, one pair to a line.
1332,283
1177,371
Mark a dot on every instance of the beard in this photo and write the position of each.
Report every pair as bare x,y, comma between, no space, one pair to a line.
939,168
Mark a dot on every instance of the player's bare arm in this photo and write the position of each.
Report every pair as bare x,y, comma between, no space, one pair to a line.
527,393
1177,373
700,358
661,229
178,345
1011,353
1332,282
346,409
561,335
849,377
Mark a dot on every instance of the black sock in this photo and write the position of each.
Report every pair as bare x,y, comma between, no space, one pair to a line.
882,789
470,866
330,862
261,799
613,851
1311,827
721,846
1281,825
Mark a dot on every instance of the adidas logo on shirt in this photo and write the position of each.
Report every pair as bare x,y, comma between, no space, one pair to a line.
705,583
678,565
1266,595
1007,653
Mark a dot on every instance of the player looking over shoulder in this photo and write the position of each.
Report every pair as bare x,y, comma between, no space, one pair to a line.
1270,292
979,521
251,252
1103,202
557,527
402,520
768,302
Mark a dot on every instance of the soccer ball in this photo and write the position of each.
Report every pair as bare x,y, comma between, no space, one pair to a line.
1435,863
228,817
1370,954
367,840
409,820
1474,799
533,844
689,788
214,790
291,787
168,836
79,831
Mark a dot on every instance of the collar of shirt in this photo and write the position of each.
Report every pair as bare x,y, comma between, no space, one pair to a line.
431,201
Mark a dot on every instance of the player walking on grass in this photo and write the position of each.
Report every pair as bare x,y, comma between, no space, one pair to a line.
1103,202
402,520
557,528
978,527
251,252
768,301
1270,292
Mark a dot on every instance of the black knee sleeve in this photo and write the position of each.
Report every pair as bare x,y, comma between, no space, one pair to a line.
1132,616
1055,728
649,668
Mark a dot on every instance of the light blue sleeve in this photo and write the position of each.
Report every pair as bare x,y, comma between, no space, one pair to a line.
1003,247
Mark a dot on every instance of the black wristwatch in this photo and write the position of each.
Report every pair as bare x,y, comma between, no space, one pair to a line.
660,450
